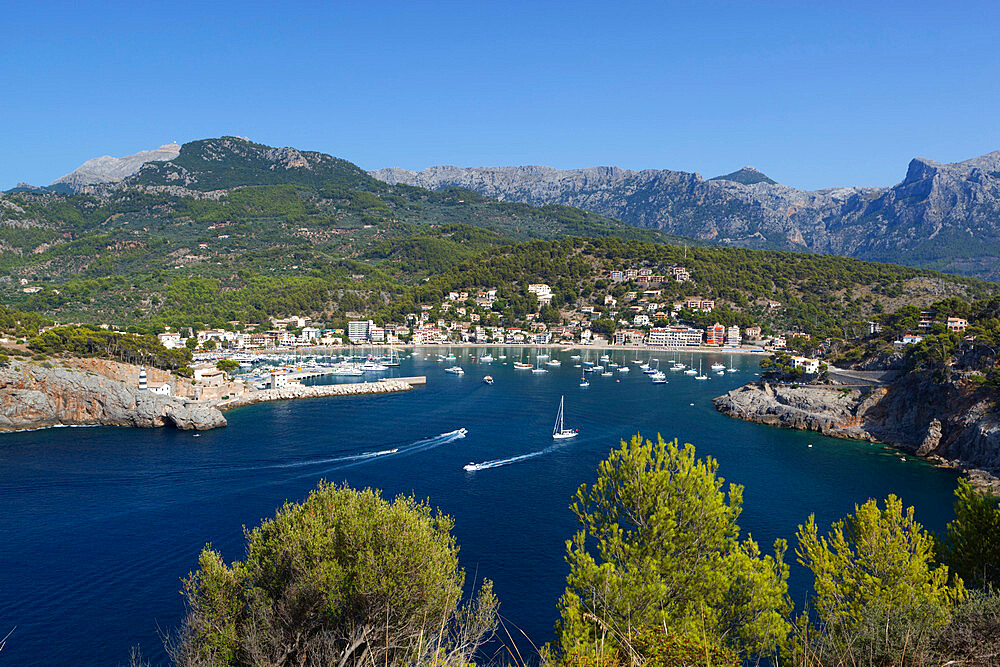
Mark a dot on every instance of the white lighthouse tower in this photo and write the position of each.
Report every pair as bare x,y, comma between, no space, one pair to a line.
143,386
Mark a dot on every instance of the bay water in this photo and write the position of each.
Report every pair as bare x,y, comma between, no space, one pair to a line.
99,525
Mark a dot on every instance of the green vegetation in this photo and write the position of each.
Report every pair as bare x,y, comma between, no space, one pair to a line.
971,543
20,324
346,578
129,348
667,555
256,231
658,577
874,570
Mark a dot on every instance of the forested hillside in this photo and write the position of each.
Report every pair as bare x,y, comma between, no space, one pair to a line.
232,230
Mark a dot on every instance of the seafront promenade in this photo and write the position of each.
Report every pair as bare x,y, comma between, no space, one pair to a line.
291,392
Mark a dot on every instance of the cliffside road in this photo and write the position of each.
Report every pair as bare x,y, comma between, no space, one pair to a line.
38,395
946,423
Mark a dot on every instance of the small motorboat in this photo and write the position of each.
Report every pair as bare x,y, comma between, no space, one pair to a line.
488,379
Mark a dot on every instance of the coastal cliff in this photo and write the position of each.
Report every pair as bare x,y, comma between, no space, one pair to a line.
38,395
943,421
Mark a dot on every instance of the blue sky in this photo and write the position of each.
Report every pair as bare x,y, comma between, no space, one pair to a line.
813,95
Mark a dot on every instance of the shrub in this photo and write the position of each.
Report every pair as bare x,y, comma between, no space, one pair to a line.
343,578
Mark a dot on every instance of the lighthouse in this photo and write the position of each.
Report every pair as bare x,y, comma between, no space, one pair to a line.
142,379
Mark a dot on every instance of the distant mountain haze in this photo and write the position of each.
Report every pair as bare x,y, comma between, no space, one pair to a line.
941,216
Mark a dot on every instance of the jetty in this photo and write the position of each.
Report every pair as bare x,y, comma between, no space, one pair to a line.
295,391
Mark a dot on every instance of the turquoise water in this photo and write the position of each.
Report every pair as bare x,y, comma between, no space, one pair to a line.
98,525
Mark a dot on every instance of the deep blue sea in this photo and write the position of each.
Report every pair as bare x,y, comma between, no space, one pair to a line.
99,525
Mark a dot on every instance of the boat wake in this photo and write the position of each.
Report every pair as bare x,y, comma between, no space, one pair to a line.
486,465
412,448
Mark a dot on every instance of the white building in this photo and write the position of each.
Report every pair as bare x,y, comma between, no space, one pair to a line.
359,332
170,340
310,334
161,389
641,320
673,337
810,366
278,381
733,338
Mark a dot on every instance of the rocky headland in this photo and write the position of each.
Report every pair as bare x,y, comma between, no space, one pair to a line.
79,392
946,422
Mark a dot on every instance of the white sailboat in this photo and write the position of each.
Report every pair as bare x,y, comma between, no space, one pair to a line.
559,430
700,375
583,380
537,368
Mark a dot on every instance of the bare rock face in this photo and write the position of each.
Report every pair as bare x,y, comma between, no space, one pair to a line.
945,421
34,396
932,217
107,169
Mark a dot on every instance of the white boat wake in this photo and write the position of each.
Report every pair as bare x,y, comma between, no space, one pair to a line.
486,465
413,447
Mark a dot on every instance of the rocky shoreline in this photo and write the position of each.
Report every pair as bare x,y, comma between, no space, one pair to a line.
947,424
37,395
97,392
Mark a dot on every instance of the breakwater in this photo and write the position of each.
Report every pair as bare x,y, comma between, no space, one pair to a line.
292,392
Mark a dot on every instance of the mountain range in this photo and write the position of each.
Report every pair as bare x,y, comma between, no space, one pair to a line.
940,216
232,229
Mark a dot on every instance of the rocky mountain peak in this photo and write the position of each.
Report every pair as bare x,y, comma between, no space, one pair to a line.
747,176
108,169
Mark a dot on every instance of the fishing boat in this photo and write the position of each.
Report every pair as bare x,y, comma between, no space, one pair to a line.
555,363
559,430
455,370
700,375
488,379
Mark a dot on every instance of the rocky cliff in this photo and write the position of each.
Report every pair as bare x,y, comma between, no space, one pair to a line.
944,421
940,216
37,395
107,169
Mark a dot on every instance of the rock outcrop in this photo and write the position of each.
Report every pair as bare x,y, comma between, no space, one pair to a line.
946,421
946,216
107,169
38,395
